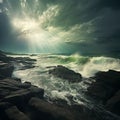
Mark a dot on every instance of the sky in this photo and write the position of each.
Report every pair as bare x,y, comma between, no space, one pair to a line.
87,27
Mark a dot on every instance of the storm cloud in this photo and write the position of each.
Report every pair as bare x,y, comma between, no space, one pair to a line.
79,26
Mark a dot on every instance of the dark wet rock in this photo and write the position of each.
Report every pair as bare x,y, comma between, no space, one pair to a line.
16,92
50,111
24,59
5,105
4,58
95,112
100,91
105,86
27,84
6,70
22,96
23,101
14,97
65,73
13,113
106,89
110,77
17,79
24,63
113,104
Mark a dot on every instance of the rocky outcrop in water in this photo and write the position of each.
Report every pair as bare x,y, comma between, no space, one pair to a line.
6,67
8,64
24,62
65,73
110,77
15,91
106,89
14,96
6,70
24,101
113,104
5,58
48,110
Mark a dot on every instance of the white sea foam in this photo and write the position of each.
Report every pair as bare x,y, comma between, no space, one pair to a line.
56,88
100,64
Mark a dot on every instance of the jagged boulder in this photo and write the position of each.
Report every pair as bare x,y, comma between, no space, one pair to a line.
24,62
105,86
65,73
15,92
4,58
6,70
106,89
50,111
100,91
13,113
113,104
110,77
5,105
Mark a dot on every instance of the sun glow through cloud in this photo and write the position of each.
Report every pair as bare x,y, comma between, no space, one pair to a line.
35,30
1,1
60,26
31,31
37,27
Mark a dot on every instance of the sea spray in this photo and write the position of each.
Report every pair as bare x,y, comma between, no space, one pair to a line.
56,88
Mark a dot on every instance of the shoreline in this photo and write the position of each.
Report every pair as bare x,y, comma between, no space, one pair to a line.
28,100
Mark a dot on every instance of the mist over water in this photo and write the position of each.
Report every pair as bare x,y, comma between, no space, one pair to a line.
56,88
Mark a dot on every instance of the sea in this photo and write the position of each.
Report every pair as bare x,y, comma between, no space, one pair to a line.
57,88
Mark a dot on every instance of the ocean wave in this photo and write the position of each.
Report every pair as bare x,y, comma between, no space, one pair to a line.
87,66
56,88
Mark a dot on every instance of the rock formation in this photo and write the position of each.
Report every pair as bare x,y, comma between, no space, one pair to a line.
24,101
65,73
106,89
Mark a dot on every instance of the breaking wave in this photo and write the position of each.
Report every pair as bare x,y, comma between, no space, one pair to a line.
56,88
87,66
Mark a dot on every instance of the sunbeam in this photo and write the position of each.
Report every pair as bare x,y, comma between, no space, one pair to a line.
34,30
36,37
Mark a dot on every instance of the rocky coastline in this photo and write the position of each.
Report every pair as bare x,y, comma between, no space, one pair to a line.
24,101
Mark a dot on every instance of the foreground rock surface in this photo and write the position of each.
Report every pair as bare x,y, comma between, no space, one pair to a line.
50,110
113,104
15,91
6,67
65,73
110,77
4,58
14,113
6,70
14,97
23,101
24,62
106,89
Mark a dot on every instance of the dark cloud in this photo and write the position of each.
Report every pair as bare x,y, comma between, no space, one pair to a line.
8,38
79,11
114,4
90,27
4,25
